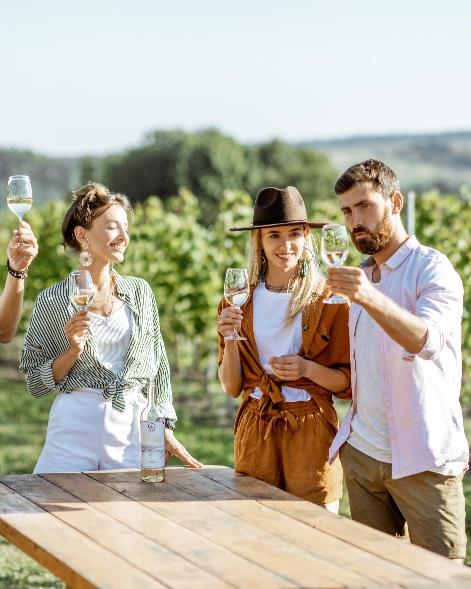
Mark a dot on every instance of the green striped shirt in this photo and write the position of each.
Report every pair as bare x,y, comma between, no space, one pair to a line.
145,358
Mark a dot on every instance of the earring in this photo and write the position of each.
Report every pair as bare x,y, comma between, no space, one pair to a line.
85,257
304,268
304,265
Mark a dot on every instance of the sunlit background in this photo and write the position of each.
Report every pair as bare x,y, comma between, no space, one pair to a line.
197,105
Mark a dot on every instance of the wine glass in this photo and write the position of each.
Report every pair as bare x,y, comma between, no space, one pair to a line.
334,252
236,292
82,294
19,197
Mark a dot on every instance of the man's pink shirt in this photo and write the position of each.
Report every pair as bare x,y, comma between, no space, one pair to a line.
421,390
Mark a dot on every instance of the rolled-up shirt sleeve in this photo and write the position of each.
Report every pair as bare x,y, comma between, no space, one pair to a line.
35,362
439,305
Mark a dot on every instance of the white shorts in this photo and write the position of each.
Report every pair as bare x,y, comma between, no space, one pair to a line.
85,433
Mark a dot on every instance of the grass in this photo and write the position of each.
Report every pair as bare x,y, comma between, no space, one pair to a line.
23,423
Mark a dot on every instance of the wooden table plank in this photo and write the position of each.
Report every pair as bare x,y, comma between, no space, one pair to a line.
233,569
140,552
207,527
414,558
321,544
56,547
300,566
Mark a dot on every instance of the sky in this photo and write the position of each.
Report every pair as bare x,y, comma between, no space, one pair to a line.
94,76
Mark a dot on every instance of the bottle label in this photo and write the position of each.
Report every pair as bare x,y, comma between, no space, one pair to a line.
152,444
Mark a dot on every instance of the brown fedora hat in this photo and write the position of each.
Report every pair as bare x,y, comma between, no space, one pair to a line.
279,206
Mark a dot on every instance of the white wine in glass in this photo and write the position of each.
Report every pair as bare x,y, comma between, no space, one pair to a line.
82,293
334,252
19,198
20,195
236,292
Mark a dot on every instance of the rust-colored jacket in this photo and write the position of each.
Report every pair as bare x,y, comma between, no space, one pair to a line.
324,340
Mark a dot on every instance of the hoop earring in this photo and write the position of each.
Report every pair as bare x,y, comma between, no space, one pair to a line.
85,257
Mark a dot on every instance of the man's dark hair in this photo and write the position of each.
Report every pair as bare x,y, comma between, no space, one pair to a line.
380,175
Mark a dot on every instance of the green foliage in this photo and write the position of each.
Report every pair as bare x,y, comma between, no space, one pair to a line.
443,222
308,170
87,170
207,163
184,260
18,571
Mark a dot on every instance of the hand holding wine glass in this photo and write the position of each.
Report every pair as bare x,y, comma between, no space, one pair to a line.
236,292
81,298
334,252
19,198
22,248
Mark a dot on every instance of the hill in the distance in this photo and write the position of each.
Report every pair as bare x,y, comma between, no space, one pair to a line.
422,162
52,178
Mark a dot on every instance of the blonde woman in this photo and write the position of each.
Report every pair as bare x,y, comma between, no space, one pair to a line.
295,358
99,380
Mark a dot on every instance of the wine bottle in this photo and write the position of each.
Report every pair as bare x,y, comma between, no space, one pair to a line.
152,427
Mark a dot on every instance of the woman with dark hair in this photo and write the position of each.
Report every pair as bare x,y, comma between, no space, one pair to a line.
294,358
94,419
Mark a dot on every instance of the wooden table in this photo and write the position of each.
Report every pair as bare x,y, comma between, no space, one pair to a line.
208,528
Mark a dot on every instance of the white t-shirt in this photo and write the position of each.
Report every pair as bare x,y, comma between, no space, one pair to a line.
273,336
370,432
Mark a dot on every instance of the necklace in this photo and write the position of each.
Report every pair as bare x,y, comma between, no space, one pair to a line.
110,298
106,299
278,288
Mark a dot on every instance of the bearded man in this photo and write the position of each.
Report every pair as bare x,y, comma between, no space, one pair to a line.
402,444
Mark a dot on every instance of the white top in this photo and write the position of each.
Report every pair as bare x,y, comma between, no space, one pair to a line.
370,432
112,335
273,336
419,392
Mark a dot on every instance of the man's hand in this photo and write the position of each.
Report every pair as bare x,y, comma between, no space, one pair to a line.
22,248
351,282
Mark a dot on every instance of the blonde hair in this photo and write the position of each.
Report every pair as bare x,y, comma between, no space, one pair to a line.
89,202
303,288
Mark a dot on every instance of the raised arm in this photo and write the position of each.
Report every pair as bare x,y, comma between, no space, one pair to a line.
438,307
19,259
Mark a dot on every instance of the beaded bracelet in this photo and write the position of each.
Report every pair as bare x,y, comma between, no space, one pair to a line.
170,423
22,274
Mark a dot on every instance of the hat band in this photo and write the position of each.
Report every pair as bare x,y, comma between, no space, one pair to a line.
277,222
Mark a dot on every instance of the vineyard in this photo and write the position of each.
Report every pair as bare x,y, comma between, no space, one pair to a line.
184,260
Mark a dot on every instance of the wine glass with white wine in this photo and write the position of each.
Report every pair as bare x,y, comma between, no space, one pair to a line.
236,293
82,294
334,252
19,197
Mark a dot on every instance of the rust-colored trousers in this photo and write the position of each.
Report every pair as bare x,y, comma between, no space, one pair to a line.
292,460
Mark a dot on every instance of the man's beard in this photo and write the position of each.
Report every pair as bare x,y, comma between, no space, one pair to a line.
377,240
